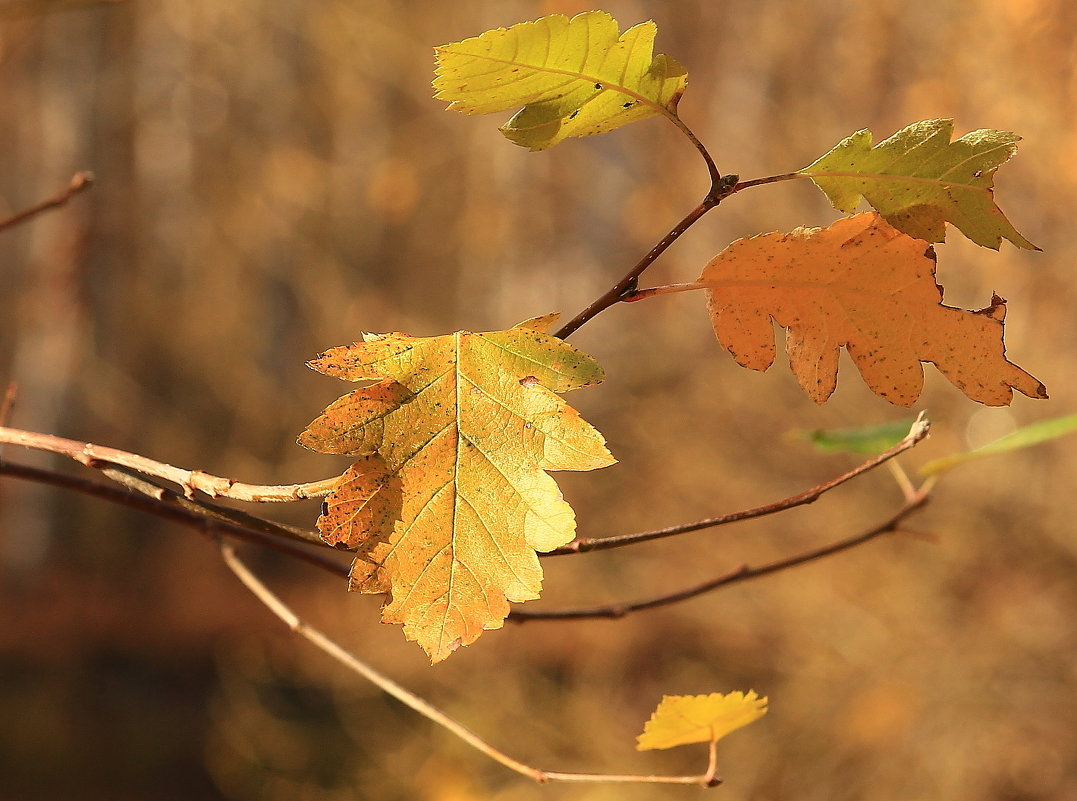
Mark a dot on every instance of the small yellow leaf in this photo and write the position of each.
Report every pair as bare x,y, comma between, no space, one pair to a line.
572,77
684,719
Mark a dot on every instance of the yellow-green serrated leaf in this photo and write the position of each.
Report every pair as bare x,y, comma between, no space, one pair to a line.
466,426
1025,437
919,180
572,77
864,439
684,719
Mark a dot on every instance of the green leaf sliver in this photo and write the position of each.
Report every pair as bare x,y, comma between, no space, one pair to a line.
1025,437
868,440
572,77
919,180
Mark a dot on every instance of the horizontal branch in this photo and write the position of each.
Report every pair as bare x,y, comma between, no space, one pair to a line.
425,708
190,481
917,434
80,182
136,493
742,573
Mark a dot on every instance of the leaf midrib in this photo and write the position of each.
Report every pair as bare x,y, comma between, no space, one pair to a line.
578,76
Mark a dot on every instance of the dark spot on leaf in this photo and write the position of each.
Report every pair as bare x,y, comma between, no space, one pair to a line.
598,86
572,116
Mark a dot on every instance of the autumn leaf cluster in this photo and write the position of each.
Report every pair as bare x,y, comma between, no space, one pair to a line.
449,498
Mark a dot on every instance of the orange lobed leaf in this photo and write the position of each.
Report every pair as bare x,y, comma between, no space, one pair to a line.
863,285
684,719
451,500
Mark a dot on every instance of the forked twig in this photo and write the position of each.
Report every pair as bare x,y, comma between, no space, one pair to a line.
917,434
424,708
190,481
742,573
79,182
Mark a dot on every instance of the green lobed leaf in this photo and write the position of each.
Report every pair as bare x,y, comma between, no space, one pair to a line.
1034,434
572,77
867,440
919,180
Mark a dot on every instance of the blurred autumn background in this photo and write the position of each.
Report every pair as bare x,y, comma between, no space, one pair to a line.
273,177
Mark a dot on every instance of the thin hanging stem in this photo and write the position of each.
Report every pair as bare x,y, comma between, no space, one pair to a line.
742,573
81,181
917,434
423,707
190,481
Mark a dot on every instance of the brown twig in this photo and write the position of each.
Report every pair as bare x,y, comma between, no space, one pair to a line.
917,434
137,493
423,707
80,182
721,187
190,481
627,284
742,573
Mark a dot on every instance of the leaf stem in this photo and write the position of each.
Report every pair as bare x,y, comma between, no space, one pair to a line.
79,182
190,481
666,289
770,179
712,168
917,434
420,705
742,573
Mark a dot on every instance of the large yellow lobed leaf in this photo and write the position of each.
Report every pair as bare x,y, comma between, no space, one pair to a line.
863,285
451,501
572,77
919,180
684,719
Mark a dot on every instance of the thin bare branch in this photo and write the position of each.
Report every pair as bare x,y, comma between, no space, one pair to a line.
423,707
80,182
190,481
742,573
917,434
721,187
627,284
137,493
